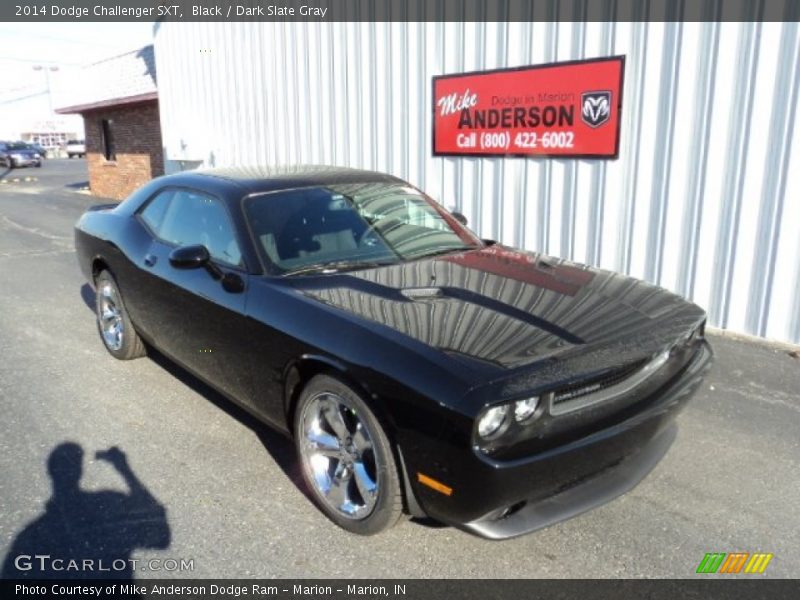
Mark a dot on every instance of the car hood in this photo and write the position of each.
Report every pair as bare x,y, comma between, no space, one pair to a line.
501,308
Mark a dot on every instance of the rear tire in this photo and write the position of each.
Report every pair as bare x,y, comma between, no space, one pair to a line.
346,457
115,327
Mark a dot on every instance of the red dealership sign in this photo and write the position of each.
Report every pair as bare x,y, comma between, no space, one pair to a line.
563,278
559,109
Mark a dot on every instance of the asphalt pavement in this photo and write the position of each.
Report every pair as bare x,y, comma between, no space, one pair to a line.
228,486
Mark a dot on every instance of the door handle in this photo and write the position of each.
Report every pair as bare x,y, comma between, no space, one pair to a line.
150,260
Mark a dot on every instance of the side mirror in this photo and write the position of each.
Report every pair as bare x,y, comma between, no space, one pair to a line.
196,256
460,218
189,257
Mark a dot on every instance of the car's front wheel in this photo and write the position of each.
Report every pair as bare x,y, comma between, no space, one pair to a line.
346,458
115,327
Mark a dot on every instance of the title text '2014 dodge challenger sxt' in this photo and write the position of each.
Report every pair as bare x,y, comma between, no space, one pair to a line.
418,368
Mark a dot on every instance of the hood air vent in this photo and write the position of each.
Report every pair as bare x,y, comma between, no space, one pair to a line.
422,293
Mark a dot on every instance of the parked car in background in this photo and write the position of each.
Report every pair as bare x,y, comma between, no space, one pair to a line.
19,154
39,149
76,148
416,366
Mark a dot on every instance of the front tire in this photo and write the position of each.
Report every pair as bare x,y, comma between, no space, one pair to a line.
346,458
115,327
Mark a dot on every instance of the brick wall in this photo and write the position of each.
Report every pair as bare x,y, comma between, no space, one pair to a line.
137,139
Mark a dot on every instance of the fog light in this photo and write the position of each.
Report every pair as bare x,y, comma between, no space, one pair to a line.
492,420
523,409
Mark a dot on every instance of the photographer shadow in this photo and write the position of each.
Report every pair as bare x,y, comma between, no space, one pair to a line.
83,534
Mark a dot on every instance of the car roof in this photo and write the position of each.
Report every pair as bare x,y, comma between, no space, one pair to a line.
264,178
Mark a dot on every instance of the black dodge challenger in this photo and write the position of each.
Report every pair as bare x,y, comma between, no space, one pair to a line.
418,368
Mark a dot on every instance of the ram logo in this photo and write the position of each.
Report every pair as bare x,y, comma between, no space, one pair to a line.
595,108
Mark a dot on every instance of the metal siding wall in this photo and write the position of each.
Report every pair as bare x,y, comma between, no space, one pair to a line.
704,199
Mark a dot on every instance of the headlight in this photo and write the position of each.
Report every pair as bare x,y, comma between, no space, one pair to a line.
523,409
16,155
492,420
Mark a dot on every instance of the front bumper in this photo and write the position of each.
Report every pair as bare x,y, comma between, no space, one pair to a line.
586,495
499,500
26,161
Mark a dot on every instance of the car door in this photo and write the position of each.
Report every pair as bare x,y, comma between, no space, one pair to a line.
195,314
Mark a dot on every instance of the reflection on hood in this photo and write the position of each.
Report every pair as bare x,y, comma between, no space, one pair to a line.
502,306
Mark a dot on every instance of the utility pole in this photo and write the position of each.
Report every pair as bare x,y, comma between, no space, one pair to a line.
47,70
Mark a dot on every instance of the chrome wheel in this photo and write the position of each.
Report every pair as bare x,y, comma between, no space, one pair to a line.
110,317
338,455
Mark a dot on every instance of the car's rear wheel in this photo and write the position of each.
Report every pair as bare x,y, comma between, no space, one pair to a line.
346,457
115,327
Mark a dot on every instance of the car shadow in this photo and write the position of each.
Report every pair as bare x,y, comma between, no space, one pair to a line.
87,534
279,447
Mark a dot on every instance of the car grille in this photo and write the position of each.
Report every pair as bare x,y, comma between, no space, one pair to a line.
583,388
606,387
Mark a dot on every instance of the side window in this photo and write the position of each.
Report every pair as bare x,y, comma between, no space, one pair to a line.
195,218
153,213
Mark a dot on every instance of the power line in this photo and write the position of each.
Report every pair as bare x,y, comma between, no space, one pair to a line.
48,62
23,98
19,87
44,36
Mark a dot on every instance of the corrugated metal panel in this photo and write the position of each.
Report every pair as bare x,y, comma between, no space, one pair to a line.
704,199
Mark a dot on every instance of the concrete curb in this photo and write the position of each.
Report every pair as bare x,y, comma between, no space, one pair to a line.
745,337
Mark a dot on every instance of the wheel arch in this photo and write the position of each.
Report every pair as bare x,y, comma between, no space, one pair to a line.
301,370
99,264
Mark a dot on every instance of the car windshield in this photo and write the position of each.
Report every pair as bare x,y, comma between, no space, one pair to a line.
350,226
18,146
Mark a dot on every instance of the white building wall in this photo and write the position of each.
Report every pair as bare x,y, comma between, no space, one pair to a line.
703,200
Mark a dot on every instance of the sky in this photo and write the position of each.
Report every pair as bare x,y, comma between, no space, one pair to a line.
59,50
63,45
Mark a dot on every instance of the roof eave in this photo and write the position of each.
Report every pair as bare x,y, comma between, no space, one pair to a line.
111,103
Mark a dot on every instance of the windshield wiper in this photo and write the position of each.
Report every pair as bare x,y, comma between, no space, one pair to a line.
337,266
